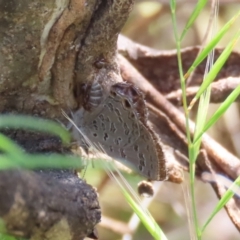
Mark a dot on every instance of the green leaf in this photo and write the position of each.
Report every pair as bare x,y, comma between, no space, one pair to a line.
8,237
41,161
220,111
210,46
134,201
216,67
200,121
146,219
223,201
3,235
9,146
173,6
36,124
13,151
197,10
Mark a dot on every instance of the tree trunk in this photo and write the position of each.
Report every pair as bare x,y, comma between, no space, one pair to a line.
48,49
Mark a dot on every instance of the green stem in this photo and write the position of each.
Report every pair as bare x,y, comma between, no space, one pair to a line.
186,112
192,191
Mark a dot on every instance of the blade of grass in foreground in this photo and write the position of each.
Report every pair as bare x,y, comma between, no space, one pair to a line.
6,162
200,122
135,203
9,146
192,209
223,201
147,220
3,235
216,68
205,97
14,157
180,68
33,123
194,148
41,161
8,237
220,111
14,152
218,36
57,161
197,10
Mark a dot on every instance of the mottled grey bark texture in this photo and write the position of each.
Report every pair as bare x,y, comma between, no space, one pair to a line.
47,50
47,205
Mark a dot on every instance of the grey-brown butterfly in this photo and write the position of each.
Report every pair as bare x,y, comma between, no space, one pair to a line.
116,122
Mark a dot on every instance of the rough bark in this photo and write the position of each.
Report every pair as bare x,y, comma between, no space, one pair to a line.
47,205
47,50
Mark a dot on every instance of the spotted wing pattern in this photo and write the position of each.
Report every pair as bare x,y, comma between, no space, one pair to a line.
117,124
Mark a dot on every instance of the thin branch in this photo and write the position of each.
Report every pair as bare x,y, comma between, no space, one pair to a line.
220,90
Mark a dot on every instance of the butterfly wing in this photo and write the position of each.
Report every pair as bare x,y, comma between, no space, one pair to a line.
118,126
112,125
144,156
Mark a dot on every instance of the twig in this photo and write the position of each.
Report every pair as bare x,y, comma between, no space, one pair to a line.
220,90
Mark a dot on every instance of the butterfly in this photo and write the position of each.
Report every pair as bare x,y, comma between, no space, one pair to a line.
116,122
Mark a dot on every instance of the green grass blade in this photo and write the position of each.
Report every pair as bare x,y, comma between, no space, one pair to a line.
9,146
180,68
197,10
33,123
218,36
146,219
8,237
3,235
13,156
173,7
15,153
225,198
220,111
216,68
186,112
7,162
56,161
134,201
200,120
41,161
